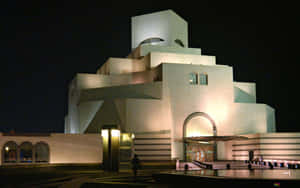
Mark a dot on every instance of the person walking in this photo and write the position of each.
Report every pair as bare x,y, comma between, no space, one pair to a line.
135,162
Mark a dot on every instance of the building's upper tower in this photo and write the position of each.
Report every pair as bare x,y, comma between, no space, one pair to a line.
163,28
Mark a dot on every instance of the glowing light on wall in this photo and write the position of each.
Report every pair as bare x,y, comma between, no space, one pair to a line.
199,126
104,133
111,149
6,148
218,111
203,142
125,137
115,133
132,136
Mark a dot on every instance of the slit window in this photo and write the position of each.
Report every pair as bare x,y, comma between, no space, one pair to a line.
193,78
203,79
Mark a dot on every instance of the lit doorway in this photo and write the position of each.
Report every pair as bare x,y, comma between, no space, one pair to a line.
202,152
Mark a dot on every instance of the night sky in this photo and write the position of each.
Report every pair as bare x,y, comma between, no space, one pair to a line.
43,45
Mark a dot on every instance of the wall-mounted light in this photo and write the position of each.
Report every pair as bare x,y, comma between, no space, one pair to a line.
111,147
115,133
104,133
6,148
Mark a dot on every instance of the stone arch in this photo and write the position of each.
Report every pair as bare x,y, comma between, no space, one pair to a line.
42,152
213,128
203,114
10,152
26,152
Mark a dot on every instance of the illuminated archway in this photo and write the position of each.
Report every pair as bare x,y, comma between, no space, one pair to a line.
10,152
199,124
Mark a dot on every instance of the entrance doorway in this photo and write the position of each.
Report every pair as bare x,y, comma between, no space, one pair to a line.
199,124
200,152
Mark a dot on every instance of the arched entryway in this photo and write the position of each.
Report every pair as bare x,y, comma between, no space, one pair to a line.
10,152
196,125
41,152
26,151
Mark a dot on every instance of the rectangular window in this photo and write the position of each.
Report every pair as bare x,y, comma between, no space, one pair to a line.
203,79
193,78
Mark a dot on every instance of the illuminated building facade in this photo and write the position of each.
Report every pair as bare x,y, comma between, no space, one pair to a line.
175,101
165,92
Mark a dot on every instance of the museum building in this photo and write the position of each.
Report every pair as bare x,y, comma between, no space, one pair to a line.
167,101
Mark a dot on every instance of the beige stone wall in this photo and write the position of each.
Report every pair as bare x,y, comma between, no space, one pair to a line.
272,146
64,148
145,50
158,57
123,66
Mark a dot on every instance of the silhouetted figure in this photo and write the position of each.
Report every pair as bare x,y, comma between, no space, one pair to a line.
186,167
228,166
251,156
249,166
135,162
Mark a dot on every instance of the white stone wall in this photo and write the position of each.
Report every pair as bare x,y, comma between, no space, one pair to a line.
123,66
186,99
157,58
244,92
73,116
165,24
146,49
64,148
272,146
144,115
87,111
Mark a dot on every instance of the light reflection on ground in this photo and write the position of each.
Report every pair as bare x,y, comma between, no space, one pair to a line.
279,174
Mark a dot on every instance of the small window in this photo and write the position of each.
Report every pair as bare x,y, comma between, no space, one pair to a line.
193,78
203,79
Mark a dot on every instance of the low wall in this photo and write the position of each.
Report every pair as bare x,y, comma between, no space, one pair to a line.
63,148
269,146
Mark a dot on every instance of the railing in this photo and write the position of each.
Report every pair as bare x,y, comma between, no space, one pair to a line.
203,165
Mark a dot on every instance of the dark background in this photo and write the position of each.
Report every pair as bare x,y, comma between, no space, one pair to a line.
43,45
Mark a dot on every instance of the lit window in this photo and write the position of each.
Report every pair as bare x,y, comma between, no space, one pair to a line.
193,78
203,79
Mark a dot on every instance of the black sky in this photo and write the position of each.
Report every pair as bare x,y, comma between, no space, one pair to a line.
43,45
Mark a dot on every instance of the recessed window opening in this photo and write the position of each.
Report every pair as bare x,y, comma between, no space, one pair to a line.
152,41
193,78
203,79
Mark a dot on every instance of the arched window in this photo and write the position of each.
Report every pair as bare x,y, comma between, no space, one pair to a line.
41,152
179,42
203,79
193,78
152,40
10,152
26,152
